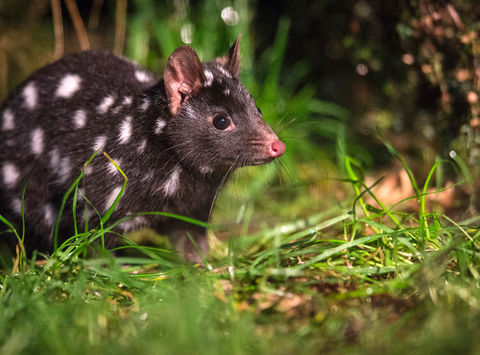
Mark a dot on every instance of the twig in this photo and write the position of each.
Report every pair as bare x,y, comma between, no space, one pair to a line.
94,17
78,24
3,73
476,66
120,23
455,17
57,27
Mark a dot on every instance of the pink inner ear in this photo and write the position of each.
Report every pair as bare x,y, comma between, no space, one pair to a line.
182,75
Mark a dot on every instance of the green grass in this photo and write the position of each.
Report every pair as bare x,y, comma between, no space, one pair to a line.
307,263
356,279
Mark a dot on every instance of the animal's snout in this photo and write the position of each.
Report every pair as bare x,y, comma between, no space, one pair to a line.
276,148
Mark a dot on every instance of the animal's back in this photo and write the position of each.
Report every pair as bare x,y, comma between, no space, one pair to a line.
79,81
54,122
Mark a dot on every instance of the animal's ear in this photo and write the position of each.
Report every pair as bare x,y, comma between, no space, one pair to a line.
183,76
231,61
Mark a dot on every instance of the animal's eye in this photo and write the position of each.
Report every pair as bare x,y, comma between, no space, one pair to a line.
258,108
221,122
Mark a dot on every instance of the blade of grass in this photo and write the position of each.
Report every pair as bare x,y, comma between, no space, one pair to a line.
405,166
65,199
332,251
423,212
111,209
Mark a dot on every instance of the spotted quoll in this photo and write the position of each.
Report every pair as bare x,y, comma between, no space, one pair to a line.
177,139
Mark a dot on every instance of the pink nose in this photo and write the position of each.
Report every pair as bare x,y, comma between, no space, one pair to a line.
276,149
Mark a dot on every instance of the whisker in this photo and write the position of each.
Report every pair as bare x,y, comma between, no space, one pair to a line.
289,123
284,167
279,122
224,178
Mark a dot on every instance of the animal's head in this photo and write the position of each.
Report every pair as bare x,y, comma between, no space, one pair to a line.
215,122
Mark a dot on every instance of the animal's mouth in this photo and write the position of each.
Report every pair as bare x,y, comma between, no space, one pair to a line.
261,161
259,153
271,149
254,160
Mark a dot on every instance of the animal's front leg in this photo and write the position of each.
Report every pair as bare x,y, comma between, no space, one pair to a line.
184,246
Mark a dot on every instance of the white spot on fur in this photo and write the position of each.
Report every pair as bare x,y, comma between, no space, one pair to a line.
125,130
30,94
145,104
99,143
189,110
127,100
112,169
148,176
142,146
16,205
68,86
48,214
224,71
160,125
61,166
79,118
64,170
80,194
134,224
172,184
106,103
206,170
37,141
10,175
54,159
208,77
111,198
226,91
8,122
87,170
142,76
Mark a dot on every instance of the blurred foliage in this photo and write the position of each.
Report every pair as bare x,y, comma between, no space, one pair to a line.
407,70
443,38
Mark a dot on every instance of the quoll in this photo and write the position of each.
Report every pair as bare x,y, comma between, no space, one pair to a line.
177,139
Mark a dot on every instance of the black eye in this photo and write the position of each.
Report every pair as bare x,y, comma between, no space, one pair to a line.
258,108
221,122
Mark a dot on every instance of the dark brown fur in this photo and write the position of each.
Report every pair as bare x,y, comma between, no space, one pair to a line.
173,155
